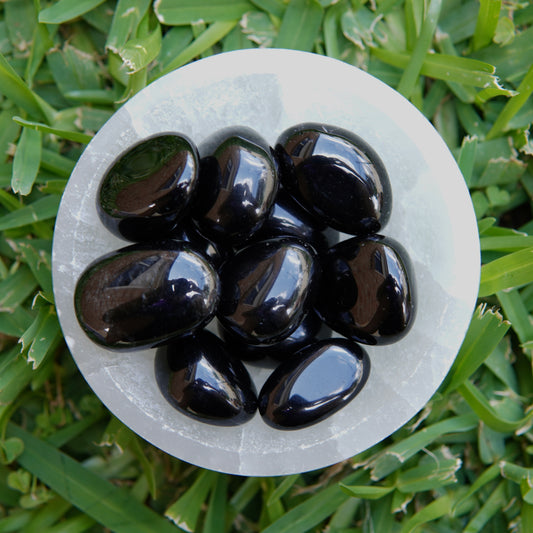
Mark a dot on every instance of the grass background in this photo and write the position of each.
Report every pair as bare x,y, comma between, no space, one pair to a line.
462,464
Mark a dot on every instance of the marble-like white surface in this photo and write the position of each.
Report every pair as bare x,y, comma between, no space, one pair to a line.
432,216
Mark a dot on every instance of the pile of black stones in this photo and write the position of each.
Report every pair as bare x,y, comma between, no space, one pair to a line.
246,233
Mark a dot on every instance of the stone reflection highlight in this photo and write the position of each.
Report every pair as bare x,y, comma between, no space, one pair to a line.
200,378
149,188
267,289
239,182
367,292
139,297
336,176
314,383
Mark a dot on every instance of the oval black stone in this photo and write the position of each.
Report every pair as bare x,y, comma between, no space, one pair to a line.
336,176
142,295
200,378
306,333
314,383
267,288
149,188
367,290
239,181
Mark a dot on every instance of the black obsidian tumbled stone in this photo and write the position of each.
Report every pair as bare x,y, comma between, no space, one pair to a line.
239,182
267,288
314,383
149,188
142,295
306,333
367,290
198,376
336,176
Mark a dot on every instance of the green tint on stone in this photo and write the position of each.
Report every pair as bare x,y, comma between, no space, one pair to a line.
149,188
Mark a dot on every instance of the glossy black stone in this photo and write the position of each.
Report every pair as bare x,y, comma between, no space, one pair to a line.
142,295
239,182
306,333
314,383
367,290
267,288
149,188
198,376
289,218
336,176
188,232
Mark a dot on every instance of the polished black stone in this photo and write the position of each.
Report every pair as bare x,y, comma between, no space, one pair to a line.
239,182
367,290
289,218
149,188
188,232
306,333
267,288
336,176
142,295
314,383
198,376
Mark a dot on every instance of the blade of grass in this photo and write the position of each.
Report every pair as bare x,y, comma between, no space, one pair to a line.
275,7
511,61
515,309
13,87
42,42
487,20
27,161
428,476
109,505
488,475
138,53
21,19
185,511
509,243
73,69
57,163
433,511
412,71
512,270
16,288
66,10
42,209
486,330
47,338
525,89
391,458
282,488
126,18
444,67
368,492
467,156
215,518
300,25
188,11
74,136
496,501
308,514
481,406
208,38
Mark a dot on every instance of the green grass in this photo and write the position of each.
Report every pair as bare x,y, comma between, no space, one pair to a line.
463,464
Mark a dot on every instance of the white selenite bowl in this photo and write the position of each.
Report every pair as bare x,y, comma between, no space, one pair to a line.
432,217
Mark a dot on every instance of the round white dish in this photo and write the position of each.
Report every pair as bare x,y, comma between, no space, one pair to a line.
432,217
